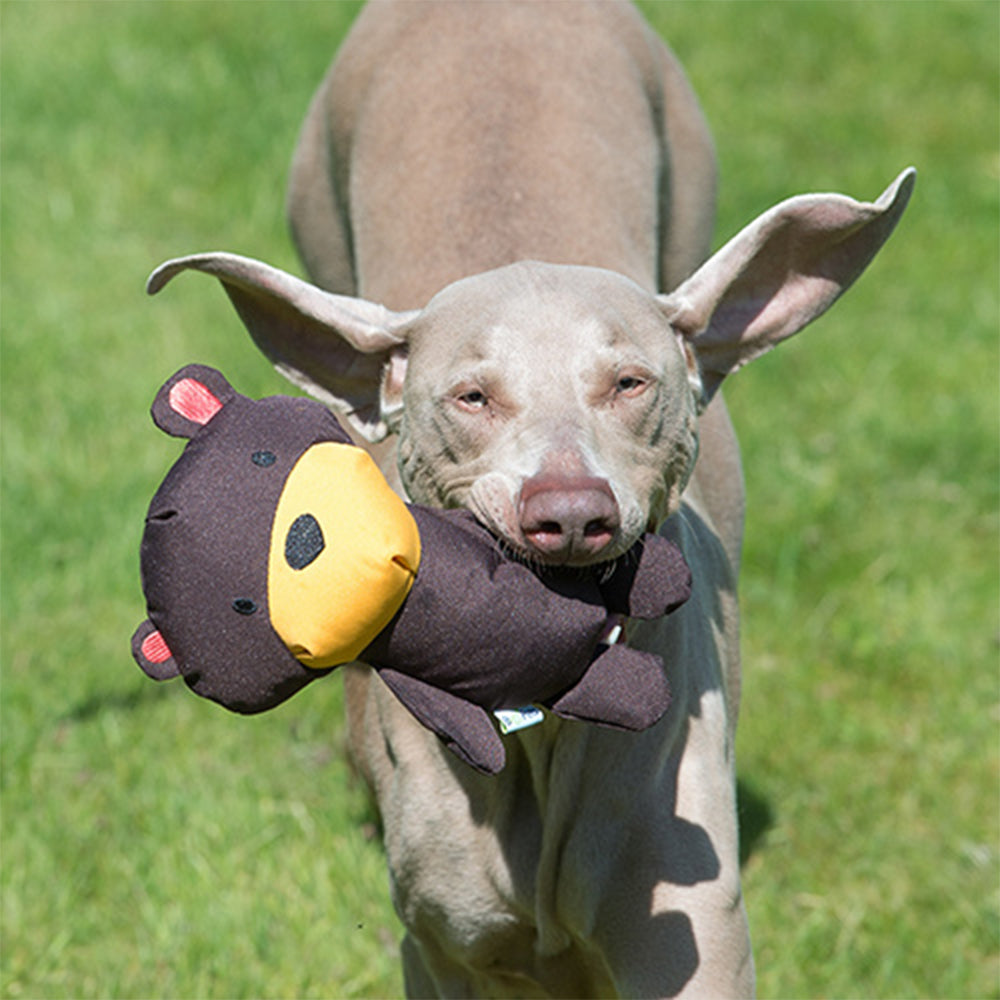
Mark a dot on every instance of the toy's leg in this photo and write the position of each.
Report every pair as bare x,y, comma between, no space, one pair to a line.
622,688
466,729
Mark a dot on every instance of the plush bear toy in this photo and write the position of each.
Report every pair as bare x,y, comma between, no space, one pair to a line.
275,551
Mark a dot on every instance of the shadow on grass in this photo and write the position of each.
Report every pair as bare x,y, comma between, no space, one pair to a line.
122,701
756,818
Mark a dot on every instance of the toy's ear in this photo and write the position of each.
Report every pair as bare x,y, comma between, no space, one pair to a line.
189,399
152,653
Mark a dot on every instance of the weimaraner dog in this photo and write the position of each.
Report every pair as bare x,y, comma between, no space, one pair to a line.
506,210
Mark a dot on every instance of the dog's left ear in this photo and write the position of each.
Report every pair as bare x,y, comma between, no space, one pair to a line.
346,351
778,274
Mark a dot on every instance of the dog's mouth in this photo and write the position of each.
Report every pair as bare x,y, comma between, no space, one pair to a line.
562,572
517,546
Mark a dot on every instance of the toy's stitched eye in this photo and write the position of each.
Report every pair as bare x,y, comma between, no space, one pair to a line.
263,458
304,541
244,606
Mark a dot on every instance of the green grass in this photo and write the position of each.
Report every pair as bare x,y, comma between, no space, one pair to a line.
156,846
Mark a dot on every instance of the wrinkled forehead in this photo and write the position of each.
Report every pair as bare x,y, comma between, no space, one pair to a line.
532,309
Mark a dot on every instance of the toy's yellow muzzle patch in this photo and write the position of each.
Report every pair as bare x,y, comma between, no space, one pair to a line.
344,553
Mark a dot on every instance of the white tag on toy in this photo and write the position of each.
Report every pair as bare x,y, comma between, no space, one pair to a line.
513,719
614,635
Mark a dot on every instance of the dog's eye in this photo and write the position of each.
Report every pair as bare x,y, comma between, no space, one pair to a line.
471,400
630,385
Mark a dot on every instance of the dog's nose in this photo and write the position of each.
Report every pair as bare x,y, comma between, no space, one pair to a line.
568,519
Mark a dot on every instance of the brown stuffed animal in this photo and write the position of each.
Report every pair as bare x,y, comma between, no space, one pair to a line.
275,551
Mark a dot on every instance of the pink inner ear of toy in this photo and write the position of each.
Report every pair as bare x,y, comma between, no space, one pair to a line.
194,401
155,649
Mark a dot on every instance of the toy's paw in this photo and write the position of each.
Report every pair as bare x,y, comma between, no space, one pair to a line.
650,580
465,729
623,688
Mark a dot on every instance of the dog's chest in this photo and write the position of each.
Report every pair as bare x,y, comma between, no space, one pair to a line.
476,865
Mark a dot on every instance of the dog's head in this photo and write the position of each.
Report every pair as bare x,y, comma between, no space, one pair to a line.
559,402
555,401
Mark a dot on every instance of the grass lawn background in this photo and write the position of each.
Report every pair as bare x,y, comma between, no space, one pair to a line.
153,845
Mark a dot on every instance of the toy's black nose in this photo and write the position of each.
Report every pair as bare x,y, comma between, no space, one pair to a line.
304,541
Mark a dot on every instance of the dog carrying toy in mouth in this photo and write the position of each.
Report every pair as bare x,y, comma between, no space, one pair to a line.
275,551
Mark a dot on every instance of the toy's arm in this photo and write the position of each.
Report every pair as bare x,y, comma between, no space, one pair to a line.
650,580
623,688
466,729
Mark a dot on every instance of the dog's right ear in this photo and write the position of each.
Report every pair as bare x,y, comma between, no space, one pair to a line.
338,348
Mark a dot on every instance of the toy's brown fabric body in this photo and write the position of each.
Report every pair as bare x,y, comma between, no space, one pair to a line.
478,631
